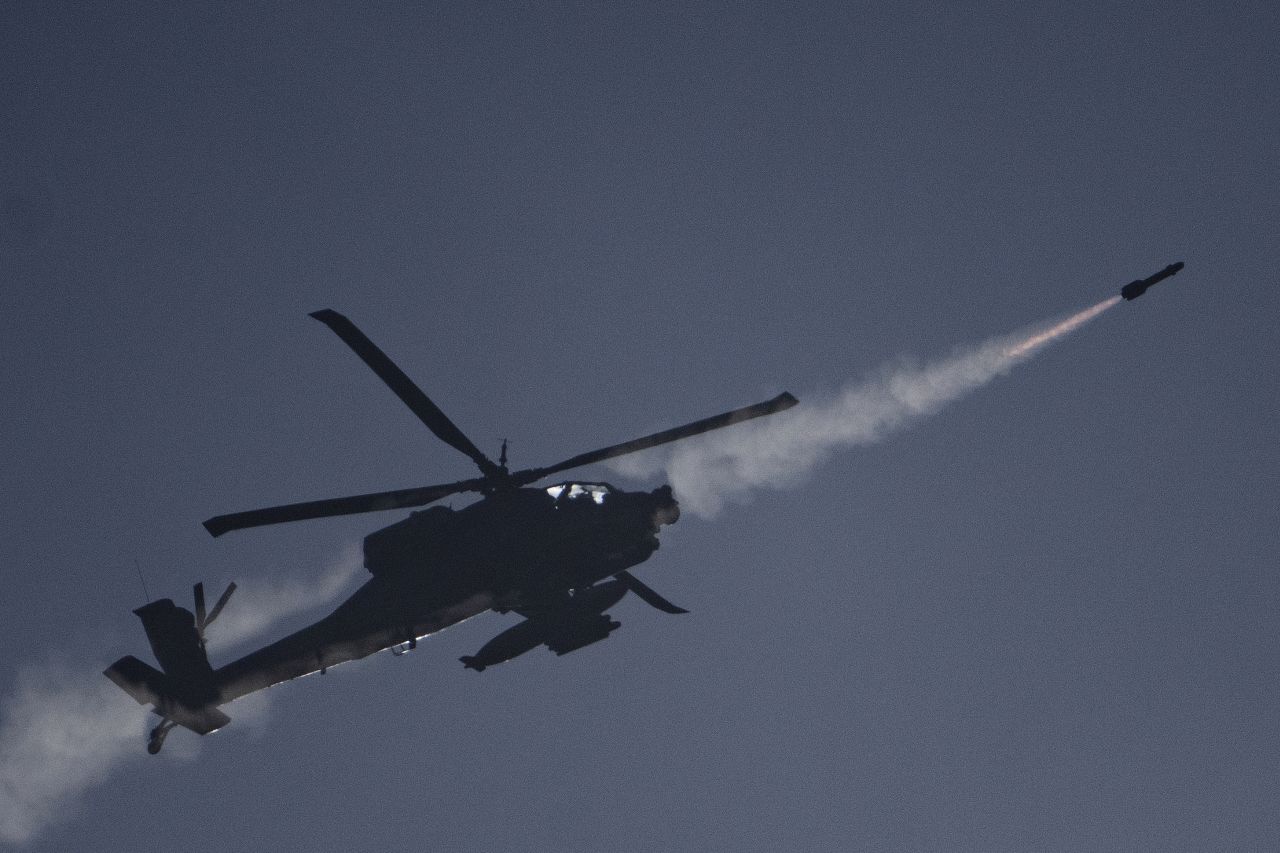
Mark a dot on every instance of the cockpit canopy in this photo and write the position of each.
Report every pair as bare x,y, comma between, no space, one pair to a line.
595,492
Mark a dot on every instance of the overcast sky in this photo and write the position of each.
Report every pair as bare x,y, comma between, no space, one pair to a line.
1044,617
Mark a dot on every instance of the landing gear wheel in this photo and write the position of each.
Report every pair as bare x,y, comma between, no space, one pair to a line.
156,740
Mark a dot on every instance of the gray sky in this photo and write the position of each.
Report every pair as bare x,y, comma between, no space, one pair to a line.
1043,618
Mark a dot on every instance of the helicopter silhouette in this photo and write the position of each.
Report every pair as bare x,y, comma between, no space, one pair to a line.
558,556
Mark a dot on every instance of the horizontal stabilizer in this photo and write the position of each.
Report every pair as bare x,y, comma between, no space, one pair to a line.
202,721
144,683
149,686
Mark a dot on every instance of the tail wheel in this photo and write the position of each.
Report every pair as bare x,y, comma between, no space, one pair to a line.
158,734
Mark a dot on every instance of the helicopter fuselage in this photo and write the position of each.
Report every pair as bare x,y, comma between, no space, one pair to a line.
544,553
440,566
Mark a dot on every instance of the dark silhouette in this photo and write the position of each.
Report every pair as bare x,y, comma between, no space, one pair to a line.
557,556
1134,289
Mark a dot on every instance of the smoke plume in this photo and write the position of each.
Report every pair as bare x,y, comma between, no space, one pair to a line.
780,451
260,603
65,730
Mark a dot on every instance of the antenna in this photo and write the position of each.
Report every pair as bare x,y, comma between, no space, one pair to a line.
141,578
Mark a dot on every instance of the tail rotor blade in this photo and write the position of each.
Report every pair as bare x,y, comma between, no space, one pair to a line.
222,602
201,621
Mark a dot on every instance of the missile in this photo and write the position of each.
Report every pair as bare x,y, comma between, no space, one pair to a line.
1134,289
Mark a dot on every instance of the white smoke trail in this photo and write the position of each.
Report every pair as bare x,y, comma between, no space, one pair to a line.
260,603
1033,344
63,731
780,451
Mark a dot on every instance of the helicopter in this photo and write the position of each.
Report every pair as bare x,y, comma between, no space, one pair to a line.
558,556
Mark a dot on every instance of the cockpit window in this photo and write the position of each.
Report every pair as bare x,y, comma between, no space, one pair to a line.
594,492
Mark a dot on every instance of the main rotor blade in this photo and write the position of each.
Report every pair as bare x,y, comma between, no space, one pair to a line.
779,403
410,394
373,502
647,594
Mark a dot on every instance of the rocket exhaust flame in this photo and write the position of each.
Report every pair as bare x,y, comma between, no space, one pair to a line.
1030,345
711,470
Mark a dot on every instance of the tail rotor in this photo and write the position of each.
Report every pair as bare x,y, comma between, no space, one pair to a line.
204,620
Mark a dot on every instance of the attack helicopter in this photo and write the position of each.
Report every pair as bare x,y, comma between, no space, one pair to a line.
558,556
